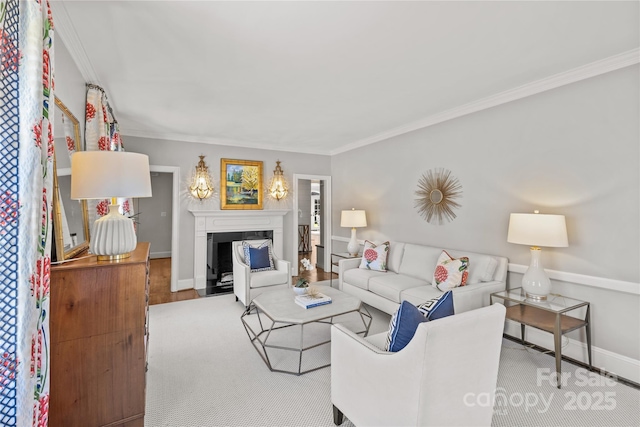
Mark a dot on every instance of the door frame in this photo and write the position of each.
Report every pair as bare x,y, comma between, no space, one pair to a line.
175,218
326,220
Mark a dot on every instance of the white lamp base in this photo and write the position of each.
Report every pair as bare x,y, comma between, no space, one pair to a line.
353,247
113,236
535,282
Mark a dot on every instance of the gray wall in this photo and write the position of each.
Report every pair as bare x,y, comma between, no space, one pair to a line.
304,206
185,155
572,151
70,86
154,215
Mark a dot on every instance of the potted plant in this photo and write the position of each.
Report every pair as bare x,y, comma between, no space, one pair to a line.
301,286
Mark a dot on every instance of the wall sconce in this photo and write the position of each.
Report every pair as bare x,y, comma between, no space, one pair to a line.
201,186
278,188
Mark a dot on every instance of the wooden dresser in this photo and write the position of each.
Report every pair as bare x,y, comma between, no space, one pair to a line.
99,336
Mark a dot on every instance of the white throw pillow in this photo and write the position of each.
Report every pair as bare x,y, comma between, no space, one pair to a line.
375,257
450,272
482,268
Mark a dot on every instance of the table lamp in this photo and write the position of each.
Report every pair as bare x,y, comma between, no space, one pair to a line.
109,175
537,230
353,218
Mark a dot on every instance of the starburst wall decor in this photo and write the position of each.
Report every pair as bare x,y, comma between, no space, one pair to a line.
437,191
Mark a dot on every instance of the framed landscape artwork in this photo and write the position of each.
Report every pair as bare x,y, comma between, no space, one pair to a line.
240,184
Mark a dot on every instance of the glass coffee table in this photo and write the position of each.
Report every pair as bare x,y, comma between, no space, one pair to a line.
281,310
548,315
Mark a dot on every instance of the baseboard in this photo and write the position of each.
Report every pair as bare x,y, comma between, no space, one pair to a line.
185,284
154,255
617,364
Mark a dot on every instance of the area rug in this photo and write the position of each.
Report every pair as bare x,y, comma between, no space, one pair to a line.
203,371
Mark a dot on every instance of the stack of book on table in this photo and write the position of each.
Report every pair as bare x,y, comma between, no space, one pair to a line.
307,301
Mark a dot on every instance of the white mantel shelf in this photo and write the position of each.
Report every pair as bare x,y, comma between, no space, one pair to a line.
222,221
239,213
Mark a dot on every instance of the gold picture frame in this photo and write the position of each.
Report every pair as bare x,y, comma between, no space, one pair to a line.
70,217
240,184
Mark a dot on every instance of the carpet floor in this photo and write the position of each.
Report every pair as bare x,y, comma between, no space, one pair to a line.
203,371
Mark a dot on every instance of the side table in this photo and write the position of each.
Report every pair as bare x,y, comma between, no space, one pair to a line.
548,315
335,259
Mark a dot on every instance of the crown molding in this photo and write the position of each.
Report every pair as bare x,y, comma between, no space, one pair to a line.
65,29
217,141
593,69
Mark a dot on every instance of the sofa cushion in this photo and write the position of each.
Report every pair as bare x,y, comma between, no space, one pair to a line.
482,267
258,257
269,278
378,340
391,285
374,257
450,272
359,277
419,261
439,307
403,326
396,251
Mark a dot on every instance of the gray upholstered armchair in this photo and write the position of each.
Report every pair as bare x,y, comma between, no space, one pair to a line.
444,377
248,284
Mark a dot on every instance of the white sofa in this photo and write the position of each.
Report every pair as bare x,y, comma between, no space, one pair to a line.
410,272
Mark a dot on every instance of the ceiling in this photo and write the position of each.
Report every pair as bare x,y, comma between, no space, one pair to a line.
324,77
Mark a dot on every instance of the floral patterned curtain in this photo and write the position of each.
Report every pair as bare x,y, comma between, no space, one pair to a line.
26,167
102,133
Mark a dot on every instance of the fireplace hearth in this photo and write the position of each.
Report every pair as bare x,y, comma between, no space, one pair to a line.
231,221
220,260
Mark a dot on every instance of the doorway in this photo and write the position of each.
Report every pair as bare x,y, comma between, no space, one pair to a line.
312,220
167,181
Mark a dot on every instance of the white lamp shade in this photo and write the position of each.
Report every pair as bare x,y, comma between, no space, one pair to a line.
353,218
107,174
538,230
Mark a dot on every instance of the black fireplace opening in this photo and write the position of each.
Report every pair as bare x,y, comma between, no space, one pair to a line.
220,261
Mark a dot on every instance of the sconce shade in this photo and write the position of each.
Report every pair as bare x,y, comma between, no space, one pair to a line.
538,230
201,186
278,189
109,175
353,218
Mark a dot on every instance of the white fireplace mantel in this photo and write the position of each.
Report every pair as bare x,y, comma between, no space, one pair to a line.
218,221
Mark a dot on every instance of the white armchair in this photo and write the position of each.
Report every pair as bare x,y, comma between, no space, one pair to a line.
246,285
444,377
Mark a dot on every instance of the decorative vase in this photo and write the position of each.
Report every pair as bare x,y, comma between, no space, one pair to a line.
299,291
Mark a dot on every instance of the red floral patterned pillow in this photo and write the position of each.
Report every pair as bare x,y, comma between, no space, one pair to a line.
375,257
450,272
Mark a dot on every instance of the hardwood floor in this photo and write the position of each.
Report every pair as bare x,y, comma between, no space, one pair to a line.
160,284
160,280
